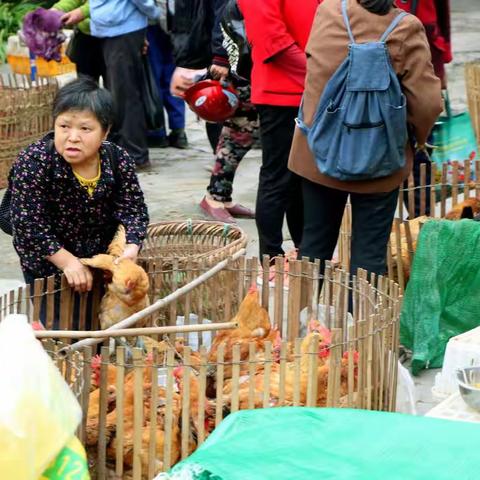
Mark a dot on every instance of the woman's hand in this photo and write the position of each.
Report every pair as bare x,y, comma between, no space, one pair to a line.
130,252
183,79
78,276
218,72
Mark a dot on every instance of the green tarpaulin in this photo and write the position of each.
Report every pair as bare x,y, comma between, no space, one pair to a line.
298,443
442,298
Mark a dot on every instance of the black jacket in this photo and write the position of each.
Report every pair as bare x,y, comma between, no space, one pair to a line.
196,34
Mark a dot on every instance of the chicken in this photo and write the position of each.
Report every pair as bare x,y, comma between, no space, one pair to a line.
127,292
414,227
469,208
253,326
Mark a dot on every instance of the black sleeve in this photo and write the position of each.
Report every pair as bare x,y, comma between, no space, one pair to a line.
191,33
219,55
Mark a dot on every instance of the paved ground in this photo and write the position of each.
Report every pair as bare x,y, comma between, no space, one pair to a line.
177,180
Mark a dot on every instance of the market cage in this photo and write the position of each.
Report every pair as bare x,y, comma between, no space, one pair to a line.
25,115
126,437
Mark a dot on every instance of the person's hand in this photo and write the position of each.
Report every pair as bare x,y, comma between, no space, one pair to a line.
73,17
130,251
218,72
79,277
145,47
183,79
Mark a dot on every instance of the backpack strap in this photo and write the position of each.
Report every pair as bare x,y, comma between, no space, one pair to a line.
347,22
393,25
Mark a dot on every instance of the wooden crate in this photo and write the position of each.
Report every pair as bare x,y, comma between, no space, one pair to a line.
151,421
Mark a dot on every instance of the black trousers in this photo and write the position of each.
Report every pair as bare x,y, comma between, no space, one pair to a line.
84,51
372,216
124,76
279,189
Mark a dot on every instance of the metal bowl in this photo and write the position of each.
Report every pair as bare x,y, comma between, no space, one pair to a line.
469,386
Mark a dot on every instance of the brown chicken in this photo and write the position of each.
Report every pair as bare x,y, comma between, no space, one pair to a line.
253,326
469,208
127,292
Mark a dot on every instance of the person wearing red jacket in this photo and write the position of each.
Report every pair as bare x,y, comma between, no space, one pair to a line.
278,31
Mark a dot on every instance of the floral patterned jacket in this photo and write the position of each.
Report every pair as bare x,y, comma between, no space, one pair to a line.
50,210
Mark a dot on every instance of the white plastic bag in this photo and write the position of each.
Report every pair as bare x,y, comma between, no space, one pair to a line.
38,411
405,392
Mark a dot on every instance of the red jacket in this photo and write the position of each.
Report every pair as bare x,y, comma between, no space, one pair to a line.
273,28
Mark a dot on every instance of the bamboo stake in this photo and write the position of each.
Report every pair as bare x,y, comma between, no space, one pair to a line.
235,377
267,373
167,446
219,384
202,385
102,458
411,196
297,366
119,405
137,412
283,372
443,191
152,445
278,294
159,304
186,402
251,375
455,184
50,302
433,191
265,284
423,188
312,382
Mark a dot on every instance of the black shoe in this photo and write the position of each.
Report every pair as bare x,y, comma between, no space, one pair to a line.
158,142
178,138
141,167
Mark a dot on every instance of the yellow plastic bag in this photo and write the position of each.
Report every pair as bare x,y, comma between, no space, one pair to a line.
70,464
38,411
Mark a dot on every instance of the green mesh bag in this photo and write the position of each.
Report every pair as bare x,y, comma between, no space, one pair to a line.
442,298
299,443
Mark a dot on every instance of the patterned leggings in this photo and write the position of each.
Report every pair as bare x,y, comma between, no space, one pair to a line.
237,137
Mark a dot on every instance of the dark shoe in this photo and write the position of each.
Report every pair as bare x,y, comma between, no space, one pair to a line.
178,139
240,211
219,214
158,142
141,167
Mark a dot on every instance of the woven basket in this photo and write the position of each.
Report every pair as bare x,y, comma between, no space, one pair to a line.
472,80
25,116
192,240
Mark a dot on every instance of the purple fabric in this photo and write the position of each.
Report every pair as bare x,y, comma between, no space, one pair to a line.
42,31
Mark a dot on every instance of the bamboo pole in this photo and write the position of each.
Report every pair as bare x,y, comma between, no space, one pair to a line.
137,412
167,447
119,405
133,332
159,304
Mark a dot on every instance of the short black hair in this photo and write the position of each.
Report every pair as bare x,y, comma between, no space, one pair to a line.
380,7
85,94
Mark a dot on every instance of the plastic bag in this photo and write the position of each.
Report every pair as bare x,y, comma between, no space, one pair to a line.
38,411
441,299
405,392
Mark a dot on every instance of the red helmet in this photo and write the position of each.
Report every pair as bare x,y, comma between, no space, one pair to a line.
212,100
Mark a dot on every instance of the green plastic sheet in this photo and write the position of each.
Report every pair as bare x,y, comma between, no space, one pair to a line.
442,298
299,443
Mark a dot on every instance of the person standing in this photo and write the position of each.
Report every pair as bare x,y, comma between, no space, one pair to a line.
122,24
83,49
161,61
339,28
278,32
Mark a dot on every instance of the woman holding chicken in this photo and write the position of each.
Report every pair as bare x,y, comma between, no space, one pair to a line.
71,190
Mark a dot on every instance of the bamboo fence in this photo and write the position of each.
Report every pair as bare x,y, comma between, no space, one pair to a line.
25,115
142,413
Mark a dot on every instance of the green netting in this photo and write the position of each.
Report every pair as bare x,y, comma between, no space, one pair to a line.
442,298
298,443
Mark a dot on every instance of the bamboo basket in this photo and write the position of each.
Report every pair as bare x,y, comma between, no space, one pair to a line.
172,245
25,116
472,80
153,425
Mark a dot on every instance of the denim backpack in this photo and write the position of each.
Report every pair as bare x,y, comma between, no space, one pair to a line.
359,130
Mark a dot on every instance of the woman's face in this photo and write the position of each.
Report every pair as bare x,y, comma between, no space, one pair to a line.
78,137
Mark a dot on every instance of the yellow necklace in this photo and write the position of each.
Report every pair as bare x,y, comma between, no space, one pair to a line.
89,183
